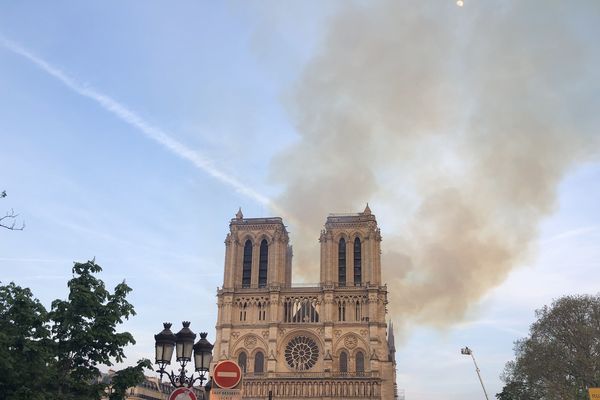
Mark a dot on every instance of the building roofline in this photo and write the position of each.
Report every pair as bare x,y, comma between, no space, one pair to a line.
263,220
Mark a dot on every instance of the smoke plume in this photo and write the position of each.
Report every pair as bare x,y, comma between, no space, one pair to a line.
456,124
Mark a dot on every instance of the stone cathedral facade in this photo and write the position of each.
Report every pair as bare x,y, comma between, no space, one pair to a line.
328,340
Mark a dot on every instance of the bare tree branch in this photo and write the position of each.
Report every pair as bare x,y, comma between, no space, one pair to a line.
9,221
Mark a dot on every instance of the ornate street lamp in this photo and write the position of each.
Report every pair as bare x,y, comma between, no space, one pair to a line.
165,343
183,343
202,355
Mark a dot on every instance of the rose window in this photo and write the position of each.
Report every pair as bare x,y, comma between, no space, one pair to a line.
301,353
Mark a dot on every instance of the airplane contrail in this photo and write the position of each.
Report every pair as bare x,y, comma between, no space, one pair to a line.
130,117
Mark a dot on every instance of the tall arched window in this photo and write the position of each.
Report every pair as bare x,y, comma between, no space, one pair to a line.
242,358
247,264
357,263
342,262
259,362
360,362
343,361
262,311
263,263
243,309
342,310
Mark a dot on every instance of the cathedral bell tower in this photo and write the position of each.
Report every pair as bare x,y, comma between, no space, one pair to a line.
350,250
261,247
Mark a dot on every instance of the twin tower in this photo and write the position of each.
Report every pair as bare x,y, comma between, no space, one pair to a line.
329,340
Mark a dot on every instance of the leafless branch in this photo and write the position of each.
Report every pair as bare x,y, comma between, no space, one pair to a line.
9,221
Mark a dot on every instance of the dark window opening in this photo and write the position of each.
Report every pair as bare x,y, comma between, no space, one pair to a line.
247,264
357,262
259,363
360,362
263,264
343,362
342,262
242,361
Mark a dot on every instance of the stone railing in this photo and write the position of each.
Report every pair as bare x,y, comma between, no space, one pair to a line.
299,386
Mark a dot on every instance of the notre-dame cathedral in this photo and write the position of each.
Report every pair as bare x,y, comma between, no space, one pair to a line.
326,341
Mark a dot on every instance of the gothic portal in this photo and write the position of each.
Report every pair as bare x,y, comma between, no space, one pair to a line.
325,341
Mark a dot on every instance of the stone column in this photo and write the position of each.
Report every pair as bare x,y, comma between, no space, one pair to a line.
255,260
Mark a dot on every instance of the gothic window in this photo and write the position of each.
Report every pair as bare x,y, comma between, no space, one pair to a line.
247,264
360,362
242,358
243,309
357,262
342,311
342,262
262,311
343,361
262,264
259,362
357,311
301,353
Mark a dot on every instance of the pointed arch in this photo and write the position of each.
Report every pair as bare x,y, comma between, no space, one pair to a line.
247,264
343,361
263,263
243,361
357,310
360,362
342,262
243,310
357,262
262,310
341,310
259,362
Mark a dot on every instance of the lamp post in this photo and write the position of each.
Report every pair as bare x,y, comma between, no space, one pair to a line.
468,352
183,344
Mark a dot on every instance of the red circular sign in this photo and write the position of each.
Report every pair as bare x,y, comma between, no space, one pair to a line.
227,374
183,394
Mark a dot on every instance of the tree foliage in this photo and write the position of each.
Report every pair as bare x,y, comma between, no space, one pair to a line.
24,344
56,354
561,357
127,378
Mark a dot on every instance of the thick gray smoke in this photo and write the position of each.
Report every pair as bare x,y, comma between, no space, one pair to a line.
457,124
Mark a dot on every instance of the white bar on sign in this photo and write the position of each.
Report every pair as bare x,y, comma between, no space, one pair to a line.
227,374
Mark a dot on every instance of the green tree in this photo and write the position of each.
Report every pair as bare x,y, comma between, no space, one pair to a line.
561,357
66,345
24,345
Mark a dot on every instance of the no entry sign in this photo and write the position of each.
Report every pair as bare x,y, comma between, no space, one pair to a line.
227,374
183,394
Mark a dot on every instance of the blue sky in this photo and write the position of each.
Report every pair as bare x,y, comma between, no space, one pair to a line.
250,91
